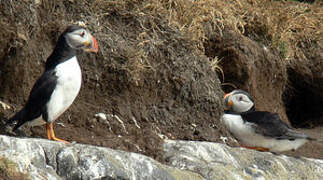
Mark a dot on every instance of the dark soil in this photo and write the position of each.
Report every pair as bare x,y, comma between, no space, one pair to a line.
148,75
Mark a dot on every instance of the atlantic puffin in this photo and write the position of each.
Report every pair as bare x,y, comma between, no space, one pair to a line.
259,130
58,86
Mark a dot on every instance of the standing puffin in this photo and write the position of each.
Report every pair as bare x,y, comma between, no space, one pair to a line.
58,86
260,130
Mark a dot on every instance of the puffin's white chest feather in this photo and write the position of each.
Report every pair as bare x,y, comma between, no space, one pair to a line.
235,124
68,85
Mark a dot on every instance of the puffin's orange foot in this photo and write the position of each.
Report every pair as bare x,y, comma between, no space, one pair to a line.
256,148
51,133
60,140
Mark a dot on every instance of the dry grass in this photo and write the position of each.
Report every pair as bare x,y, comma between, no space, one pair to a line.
282,25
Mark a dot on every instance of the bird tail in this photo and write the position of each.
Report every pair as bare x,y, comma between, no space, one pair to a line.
18,117
293,133
298,135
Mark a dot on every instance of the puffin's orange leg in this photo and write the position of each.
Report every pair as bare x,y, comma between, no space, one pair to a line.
48,132
51,133
256,148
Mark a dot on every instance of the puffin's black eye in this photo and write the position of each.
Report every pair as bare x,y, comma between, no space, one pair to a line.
240,98
82,34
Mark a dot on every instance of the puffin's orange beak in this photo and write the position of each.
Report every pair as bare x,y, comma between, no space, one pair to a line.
226,95
94,47
229,103
226,102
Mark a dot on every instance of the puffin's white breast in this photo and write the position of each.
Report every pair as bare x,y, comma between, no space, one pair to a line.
240,130
69,79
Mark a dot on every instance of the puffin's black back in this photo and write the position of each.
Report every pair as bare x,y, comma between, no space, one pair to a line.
270,125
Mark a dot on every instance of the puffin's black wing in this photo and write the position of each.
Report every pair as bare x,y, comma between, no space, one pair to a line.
270,125
39,96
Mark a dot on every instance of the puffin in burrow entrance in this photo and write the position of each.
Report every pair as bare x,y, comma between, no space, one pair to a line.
58,86
260,130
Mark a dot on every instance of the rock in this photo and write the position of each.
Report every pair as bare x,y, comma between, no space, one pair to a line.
218,161
103,119
43,159
32,158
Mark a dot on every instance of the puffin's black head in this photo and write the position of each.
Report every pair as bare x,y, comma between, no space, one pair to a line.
72,28
78,37
72,39
240,91
238,101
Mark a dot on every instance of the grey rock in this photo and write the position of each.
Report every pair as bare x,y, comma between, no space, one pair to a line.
218,161
43,159
186,160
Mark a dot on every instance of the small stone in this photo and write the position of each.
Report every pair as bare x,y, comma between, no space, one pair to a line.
224,139
22,36
101,116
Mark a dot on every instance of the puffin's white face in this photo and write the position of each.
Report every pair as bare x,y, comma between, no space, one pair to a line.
238,101
81,39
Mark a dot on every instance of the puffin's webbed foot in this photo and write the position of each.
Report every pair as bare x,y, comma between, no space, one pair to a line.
51,133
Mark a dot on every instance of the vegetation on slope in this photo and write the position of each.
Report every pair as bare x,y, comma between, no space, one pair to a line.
285,26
